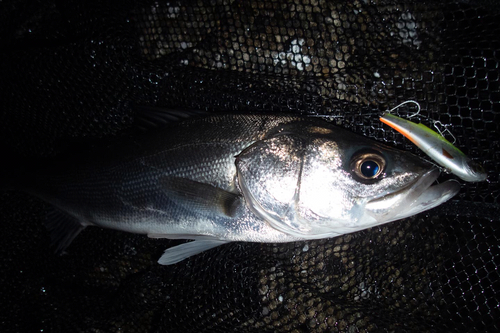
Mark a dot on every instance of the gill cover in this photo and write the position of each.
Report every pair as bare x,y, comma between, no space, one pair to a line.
269,178
286,180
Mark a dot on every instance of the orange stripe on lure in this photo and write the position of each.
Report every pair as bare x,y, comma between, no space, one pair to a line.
437,147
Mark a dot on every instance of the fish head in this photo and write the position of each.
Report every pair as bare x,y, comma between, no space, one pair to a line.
319,181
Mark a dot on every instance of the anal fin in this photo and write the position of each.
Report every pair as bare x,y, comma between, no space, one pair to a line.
180,252
63,228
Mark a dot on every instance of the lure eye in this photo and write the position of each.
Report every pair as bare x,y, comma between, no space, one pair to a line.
367,167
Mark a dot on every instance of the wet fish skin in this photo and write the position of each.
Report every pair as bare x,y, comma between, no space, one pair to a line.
125,186
225,178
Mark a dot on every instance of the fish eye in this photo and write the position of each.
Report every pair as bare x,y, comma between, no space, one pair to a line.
367,167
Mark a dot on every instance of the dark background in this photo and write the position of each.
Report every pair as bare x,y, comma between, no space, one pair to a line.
71,73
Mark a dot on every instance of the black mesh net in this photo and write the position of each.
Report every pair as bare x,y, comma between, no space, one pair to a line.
72,72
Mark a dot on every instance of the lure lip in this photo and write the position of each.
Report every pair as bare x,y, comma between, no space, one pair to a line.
474,172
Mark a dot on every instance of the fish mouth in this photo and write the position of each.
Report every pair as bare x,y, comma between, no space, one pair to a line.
418,196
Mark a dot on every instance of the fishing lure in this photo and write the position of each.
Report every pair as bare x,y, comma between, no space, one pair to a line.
437,147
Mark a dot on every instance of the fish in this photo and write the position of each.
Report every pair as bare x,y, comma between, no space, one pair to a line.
222,178
437,148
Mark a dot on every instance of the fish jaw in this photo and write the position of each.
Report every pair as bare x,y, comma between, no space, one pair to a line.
415,198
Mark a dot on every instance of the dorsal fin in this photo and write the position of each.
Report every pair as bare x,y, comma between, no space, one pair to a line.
153,116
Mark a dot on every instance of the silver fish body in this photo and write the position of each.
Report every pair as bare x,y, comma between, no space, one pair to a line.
252,178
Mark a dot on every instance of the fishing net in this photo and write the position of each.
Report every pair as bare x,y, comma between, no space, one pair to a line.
73,71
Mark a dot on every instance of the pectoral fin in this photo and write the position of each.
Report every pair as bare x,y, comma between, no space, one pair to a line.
180,252
194,195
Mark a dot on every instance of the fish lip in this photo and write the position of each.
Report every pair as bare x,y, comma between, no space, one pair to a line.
429,177
416,197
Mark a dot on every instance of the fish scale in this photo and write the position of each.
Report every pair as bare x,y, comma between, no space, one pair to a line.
222,178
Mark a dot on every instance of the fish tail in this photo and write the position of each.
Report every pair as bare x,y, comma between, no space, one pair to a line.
20,173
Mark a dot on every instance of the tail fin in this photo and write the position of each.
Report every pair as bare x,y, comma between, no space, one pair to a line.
23,174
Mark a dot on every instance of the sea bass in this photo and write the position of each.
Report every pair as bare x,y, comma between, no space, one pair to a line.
224,178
